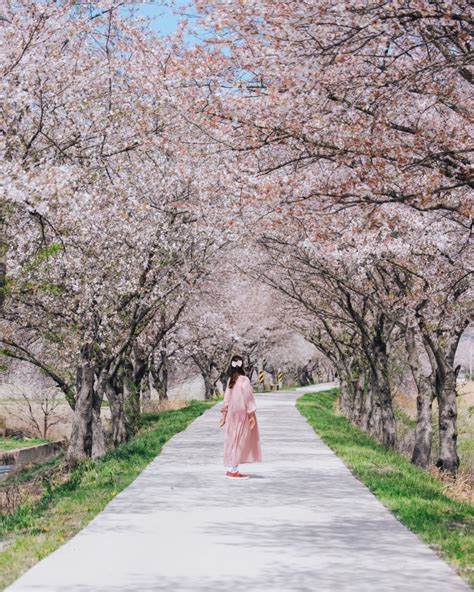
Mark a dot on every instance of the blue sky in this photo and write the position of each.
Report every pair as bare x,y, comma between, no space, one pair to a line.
164,21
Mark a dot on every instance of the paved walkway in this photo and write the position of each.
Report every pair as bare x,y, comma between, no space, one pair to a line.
302,523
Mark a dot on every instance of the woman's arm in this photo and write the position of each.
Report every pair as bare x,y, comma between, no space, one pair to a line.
223,418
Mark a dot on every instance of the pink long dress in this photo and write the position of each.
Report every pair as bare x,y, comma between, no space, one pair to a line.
241,444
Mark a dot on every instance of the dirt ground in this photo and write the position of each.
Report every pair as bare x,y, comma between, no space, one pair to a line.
15,413
466,393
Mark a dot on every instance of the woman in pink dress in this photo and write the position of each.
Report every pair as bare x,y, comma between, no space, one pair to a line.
241,438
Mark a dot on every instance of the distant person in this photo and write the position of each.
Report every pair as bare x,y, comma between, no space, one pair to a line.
241,438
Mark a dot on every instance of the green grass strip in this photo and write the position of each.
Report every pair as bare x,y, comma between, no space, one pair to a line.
14,443
414,496
37,529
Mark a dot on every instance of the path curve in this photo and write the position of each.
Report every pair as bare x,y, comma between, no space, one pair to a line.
302,523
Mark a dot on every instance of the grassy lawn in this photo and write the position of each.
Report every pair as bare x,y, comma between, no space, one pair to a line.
37,529
415,497
12,443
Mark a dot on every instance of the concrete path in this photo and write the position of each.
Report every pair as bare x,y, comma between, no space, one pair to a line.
302,523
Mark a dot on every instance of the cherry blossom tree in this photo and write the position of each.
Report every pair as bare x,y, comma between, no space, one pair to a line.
74,98
359,104
364,292
103,220
353,123
107,297
231,314
323,148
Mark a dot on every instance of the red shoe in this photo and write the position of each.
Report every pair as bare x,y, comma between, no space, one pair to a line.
236,475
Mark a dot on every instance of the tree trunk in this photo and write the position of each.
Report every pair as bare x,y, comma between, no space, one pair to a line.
443,349
424,402
214,378
304,377
164,375
145,394
448,459
380,418
378,411
366,409
424,428
98,436
205,368
348,396
87,435
113,392
381,363
131,399
3,250
160,380
359,386
346,400
208,390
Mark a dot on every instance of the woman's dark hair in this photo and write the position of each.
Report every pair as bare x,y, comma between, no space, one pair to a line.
235,370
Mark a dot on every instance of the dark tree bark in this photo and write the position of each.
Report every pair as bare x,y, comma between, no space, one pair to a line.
209,373
164,374
304,376
346,397
87,435
208,390
424,428
443,349
145,394
159,374
448,459
113,392
357,382
350,394
378,416
131,383
3,250
421,455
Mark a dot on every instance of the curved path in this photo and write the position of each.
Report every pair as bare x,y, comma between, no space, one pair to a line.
302,523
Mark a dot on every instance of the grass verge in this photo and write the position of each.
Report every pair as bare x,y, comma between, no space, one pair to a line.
412,494
14,443
36,529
